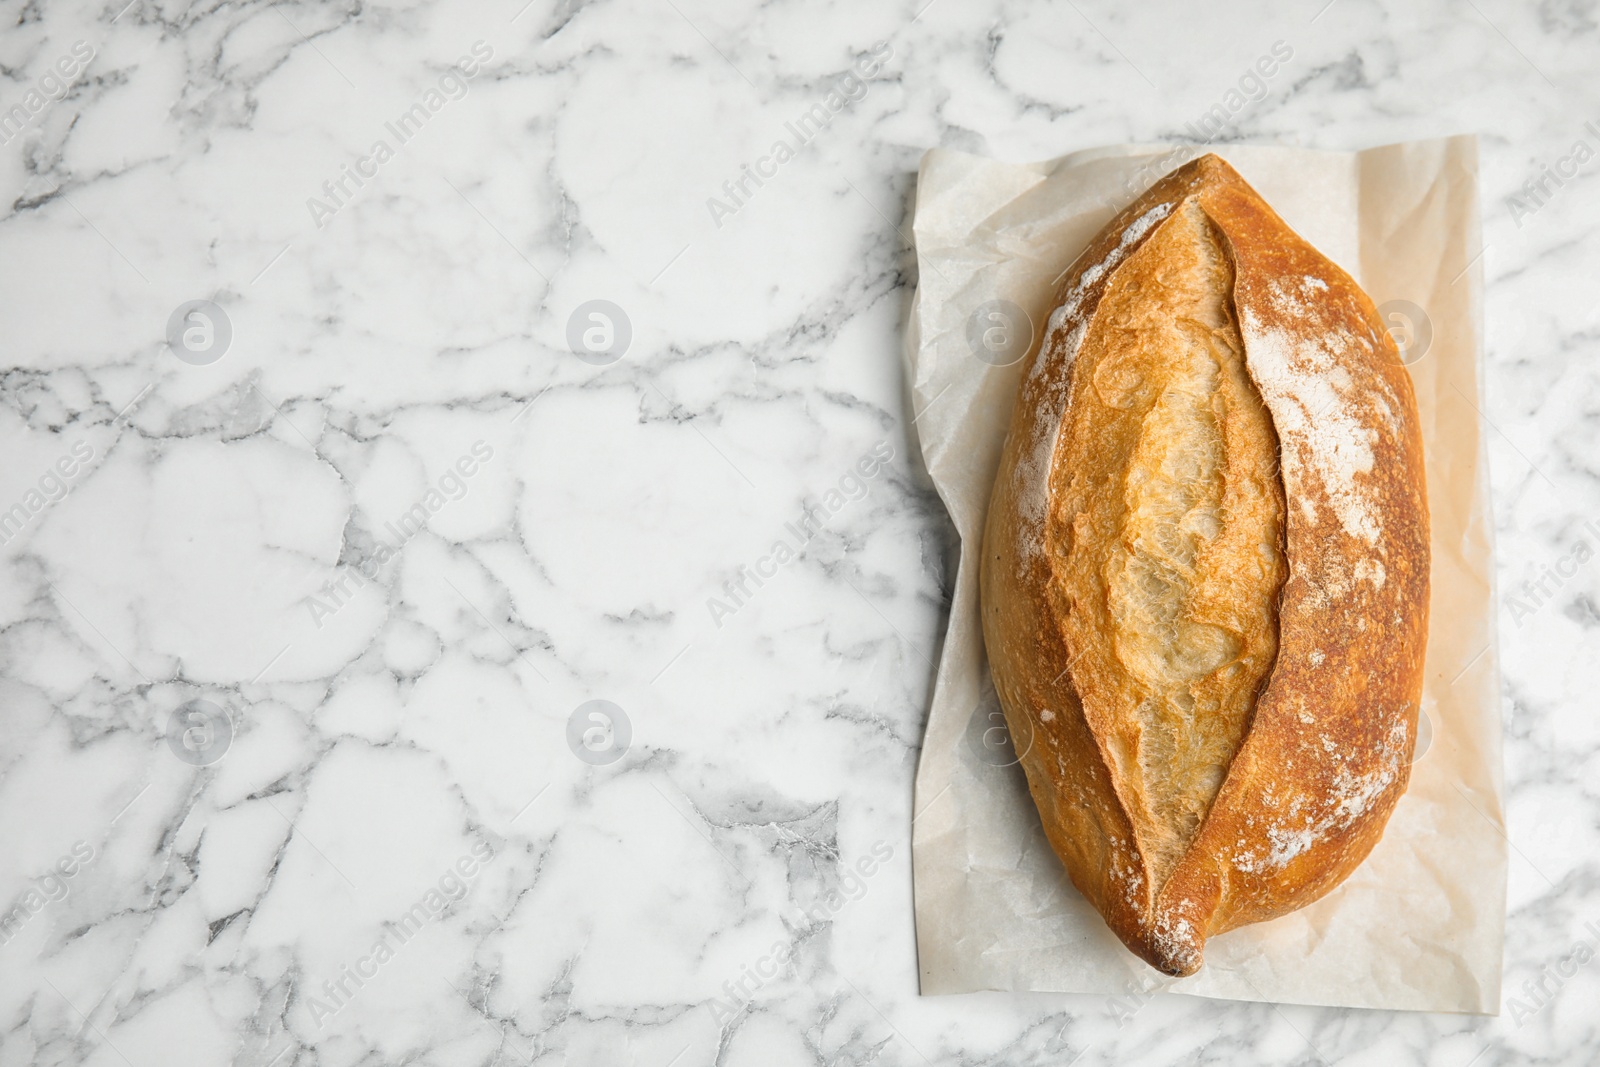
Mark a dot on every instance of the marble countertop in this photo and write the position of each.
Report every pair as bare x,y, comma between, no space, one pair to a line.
469,590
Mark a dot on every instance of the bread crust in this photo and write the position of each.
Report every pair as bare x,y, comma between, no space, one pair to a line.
1311,767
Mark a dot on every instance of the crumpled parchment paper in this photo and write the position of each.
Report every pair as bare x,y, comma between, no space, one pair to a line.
1419,924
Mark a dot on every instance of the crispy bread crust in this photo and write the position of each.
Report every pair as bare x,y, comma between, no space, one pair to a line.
1326,751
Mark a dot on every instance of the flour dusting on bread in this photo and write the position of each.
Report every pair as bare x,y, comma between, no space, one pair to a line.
1033,467
1323,424
1052,370
1092,274
1351,795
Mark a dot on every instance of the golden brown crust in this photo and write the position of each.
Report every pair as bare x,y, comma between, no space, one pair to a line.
1130,571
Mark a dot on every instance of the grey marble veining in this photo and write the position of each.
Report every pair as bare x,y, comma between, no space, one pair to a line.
301,633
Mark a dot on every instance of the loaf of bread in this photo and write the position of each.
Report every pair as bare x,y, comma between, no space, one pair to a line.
1205,569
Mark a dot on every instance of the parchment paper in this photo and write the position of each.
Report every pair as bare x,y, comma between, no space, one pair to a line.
1419,924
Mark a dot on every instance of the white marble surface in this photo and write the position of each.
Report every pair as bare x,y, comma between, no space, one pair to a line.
400,741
